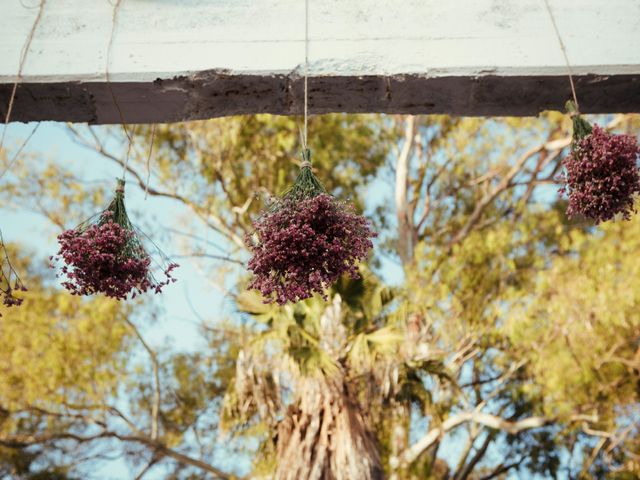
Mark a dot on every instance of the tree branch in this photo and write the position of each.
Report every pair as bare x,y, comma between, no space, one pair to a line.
23,441
503,469
209,255
480,453
489,198
473,436
488,420
155,406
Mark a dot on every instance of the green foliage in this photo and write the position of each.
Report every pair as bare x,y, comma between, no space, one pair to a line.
61,349
580,328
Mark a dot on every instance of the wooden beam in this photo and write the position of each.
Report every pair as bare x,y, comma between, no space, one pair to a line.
197,59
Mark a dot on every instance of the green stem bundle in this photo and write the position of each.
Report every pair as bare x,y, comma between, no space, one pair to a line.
581,128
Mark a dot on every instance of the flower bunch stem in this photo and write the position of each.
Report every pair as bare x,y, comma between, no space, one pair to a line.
133,247
581,128
306,184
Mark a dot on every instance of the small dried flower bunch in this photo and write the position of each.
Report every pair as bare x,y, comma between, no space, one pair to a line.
600,174
105,254
305,241
9,280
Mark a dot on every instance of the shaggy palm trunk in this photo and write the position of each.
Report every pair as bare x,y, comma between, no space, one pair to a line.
324,436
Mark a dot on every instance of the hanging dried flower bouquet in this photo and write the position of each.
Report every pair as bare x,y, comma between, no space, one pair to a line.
600,174
305,241
105,254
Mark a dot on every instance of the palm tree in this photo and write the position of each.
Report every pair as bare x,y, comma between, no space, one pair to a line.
329,378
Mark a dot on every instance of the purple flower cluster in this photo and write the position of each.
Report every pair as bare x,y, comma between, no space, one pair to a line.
601,176
303,246
9,300
102,258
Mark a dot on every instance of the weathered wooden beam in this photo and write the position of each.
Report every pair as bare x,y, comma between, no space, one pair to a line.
197,59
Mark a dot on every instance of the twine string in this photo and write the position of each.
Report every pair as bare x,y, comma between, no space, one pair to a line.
114,21
19,151
306,74
564,53
23,58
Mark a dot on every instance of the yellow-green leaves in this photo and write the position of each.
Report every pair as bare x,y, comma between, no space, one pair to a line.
58,349
580,326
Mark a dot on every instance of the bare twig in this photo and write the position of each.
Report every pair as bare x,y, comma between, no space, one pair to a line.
503,468
146,468
488,420
155,406
488,199
209,255
477,456
153,136
22,441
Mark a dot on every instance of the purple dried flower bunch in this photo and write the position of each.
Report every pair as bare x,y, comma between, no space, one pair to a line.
305,241
9,280
600,174
106,255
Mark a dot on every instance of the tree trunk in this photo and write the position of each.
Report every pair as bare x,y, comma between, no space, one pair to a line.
324,436
403,210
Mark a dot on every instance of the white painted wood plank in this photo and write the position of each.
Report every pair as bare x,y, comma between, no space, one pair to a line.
162,38
221,57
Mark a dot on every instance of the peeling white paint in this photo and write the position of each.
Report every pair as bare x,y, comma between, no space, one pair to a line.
163,38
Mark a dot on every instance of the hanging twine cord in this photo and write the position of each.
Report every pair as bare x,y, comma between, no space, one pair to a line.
566,57
114,21
306,73
17,154
306,153
23,58
153,136
129,135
